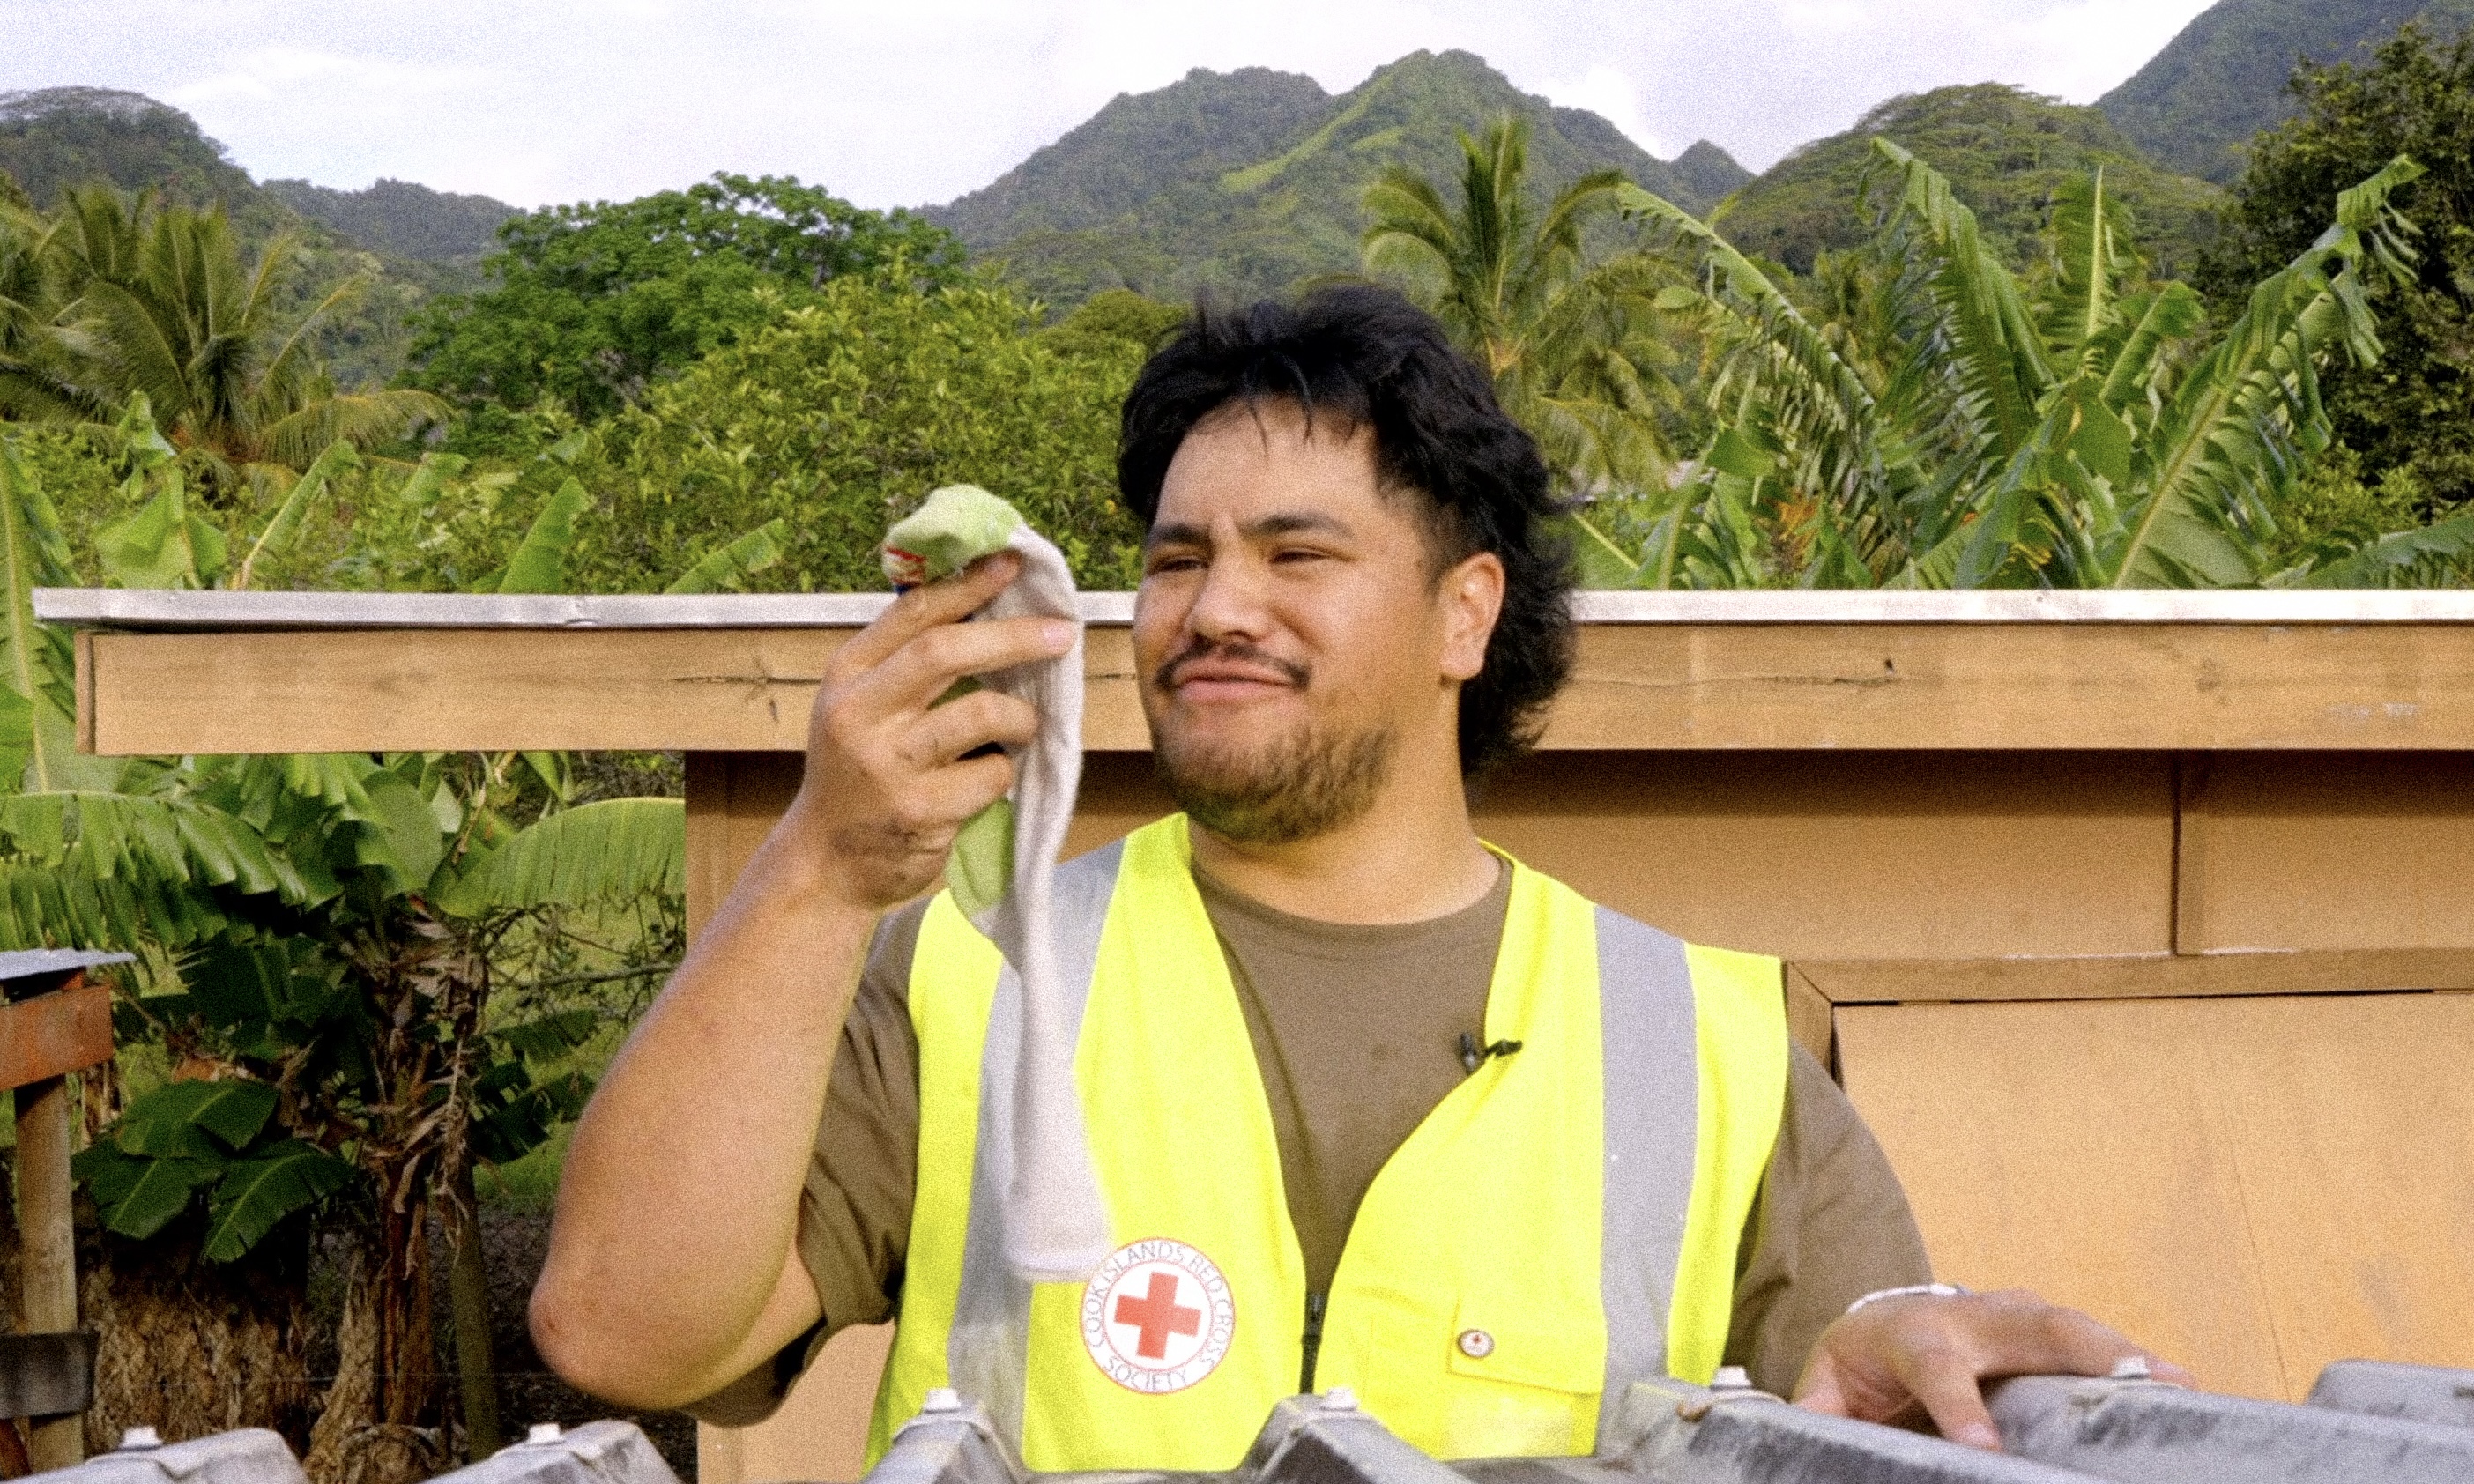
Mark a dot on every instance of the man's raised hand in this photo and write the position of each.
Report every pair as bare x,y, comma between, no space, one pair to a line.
891,777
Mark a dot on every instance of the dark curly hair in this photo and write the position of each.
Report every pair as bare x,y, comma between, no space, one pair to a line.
1371,359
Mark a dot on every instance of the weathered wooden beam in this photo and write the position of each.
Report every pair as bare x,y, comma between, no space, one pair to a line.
2134,976
2172,686
52,1035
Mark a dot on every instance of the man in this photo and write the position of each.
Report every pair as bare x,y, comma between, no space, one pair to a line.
1373,1105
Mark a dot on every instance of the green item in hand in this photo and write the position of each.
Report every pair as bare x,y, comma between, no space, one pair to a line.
956,527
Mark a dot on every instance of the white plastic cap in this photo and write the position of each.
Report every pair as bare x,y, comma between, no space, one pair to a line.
1732,1379
941,1399
140,1437
1339,1399
542,1432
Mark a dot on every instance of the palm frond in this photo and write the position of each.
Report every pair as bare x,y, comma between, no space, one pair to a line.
615,850
540,562
728,567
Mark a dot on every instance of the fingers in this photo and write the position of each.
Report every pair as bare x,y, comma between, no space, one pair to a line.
924,608
967,723
1821,1390
913,677
2026,1336
955,792
1943,1381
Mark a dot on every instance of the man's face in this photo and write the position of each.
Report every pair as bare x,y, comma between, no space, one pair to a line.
1288,640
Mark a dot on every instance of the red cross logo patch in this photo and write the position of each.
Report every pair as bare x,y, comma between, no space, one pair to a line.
1157,1316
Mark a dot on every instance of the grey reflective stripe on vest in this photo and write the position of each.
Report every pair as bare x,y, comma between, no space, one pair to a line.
1653,1101
987,1353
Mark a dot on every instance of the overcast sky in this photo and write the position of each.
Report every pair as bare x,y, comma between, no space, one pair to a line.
907,102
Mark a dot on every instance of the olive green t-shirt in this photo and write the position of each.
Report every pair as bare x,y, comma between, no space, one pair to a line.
1357,1031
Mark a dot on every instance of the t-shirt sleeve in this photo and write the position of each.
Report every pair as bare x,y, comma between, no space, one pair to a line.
854,1210
1831,1226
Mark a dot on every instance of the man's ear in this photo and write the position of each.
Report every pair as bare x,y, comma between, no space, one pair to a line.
1471,597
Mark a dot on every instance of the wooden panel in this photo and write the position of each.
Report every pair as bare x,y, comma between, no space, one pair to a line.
2254,1186
2326,851
2136,977
1668,686
820,1434
1865,855
1834,855
453,690
54,1034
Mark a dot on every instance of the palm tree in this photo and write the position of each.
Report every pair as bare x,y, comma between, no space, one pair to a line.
33,379
1952,429
1574,348
163,307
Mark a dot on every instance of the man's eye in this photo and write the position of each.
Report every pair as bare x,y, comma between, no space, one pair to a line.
1173,563
1291,554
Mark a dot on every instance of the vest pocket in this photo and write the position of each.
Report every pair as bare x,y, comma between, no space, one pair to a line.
1526,1351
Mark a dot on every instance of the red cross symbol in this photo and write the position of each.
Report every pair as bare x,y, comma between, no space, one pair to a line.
1157,1315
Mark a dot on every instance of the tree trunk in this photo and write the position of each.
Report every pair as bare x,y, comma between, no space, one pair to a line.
467,1290
356,1441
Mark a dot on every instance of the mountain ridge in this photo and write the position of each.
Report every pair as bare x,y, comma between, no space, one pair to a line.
2004,151
2221,79
1252,214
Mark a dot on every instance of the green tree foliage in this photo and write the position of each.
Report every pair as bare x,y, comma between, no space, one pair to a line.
837,418
1111,319
1565,339
60,139
592,304
402,218
320,938
1967,432
2413,414
159,303
2004,150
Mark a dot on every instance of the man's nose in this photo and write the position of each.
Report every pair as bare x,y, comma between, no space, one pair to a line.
1232,603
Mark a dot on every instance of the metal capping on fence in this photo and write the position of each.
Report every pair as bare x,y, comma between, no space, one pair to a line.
2410,1425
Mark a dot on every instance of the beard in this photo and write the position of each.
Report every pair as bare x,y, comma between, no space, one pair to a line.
1276,791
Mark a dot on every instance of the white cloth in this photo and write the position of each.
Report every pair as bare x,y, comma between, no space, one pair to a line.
1056,1220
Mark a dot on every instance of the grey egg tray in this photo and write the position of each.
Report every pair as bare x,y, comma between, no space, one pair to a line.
2364,1422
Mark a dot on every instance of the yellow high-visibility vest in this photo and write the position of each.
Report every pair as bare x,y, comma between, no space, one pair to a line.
1564,1222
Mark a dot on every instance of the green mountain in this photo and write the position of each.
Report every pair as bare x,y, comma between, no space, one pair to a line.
402,218
2004,151
2199,101
57,137
1243,183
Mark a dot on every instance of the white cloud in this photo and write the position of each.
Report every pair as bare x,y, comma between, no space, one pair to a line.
921,100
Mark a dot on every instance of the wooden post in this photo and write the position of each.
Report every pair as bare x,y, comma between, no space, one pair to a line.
44,1040
49,1265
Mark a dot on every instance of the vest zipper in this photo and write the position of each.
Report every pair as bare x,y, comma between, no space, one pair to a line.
1311,1343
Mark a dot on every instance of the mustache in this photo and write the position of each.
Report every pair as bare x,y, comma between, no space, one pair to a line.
1166,677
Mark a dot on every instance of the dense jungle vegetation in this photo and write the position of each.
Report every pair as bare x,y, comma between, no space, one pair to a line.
1984,339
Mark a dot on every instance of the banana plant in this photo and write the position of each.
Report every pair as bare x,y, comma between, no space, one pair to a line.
324,931
1967,431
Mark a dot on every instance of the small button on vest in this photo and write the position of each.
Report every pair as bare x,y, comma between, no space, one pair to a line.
1563,1223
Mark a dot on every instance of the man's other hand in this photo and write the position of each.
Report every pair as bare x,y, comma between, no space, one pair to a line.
1907,1359
891,773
